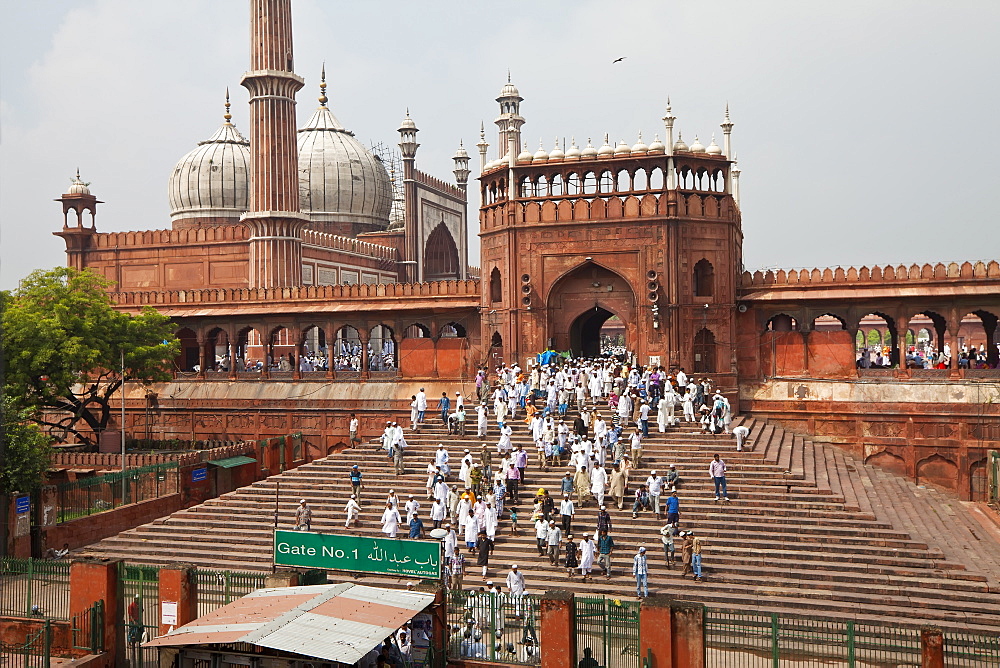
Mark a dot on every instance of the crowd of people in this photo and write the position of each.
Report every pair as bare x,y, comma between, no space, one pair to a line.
475,496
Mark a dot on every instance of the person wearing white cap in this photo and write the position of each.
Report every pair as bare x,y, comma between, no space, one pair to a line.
641,572
465,473
411,508
587,551
390,520
353,511
515,585
654,484
303,516
598,482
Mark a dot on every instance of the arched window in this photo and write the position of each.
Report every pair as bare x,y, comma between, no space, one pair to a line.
441,255
496,286
497,340
704,279
704,352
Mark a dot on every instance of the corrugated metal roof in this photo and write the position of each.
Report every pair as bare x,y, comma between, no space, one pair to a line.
340,622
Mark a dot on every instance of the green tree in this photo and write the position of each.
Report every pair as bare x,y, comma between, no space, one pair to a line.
26,451
63,343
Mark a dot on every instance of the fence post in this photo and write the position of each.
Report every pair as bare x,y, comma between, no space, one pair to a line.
931,648
178,588
656,631
31,582
47,656
850,643
557,629
775,648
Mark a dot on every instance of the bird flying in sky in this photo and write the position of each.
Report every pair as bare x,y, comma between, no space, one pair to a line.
618,60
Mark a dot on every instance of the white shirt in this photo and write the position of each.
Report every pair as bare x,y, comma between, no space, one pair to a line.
566,507
515,582
655,485
421,401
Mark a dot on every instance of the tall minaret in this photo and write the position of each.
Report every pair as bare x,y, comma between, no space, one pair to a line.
274,218
509,121
483,147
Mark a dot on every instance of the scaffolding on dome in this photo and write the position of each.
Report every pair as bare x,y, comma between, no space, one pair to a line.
393,163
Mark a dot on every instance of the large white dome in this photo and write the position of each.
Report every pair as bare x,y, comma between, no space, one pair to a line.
340,181
212,181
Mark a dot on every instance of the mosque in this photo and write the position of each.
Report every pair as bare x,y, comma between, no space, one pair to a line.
300,256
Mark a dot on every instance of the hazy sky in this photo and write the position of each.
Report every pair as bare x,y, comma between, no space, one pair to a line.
866,130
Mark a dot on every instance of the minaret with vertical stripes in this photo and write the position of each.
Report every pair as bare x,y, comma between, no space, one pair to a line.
274,217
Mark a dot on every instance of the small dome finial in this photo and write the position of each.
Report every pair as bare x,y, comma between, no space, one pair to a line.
508,75
227,115
323,99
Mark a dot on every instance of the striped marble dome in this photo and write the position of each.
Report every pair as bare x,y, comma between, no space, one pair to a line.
212,181
340,180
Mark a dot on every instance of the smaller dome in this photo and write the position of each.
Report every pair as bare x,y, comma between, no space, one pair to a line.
697,147
540,154
524,155
606,150
713,148
407,123
461,153
622,148
657,146
509,90
639,147
679,145
573,152
78,187
556,153
505,160
588,152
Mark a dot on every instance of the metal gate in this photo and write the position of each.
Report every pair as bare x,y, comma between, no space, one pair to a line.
608,630
140,587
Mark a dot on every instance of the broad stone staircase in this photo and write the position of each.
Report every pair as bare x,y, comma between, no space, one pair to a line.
809,529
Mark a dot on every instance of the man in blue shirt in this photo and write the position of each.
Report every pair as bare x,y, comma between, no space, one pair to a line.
673,508
444,405
356,482
416,527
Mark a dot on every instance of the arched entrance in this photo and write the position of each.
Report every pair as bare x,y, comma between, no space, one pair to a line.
585,332
582,301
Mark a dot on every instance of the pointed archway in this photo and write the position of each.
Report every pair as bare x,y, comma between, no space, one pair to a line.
579,304
585,332
441,256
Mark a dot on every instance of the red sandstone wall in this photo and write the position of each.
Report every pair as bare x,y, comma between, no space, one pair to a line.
17,630
831,354
87,530
417,358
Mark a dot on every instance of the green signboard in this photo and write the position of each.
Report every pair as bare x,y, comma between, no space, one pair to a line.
389,556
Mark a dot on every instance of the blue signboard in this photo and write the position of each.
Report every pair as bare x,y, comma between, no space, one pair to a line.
199,474
23,504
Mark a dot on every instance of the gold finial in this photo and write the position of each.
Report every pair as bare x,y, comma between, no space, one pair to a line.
227,115
322,86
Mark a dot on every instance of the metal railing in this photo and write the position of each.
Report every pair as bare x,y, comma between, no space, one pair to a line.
34,652
971,650
607,630
87,628
97,494
140,587
493,627
219,588
34,588
746,640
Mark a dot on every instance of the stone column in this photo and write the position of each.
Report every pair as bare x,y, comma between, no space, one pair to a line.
231,350
953,345
296,336
931,648
178,587
557,629
656,630
364,334
92,580
688,625
202,342
331,342
902,325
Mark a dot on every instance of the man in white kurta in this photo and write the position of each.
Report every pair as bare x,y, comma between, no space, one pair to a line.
490,521
353,511
598,481
587,550
390,520
441,460
481,424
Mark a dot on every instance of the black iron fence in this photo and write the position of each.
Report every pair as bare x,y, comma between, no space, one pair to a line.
493,627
